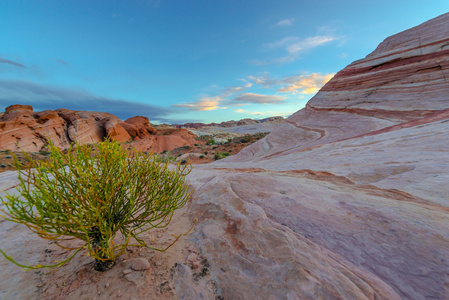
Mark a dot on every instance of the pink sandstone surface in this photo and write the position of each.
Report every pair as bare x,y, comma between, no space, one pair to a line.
356,183
347,199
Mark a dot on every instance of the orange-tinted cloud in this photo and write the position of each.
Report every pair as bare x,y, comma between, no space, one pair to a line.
205,103
305,84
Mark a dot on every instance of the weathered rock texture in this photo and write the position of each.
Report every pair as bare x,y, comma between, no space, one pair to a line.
21,128
347,199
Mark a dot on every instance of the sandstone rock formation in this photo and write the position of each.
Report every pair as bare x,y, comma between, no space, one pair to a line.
347,199
138,127
21,128
166,140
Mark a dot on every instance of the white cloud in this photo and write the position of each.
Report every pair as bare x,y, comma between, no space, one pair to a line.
309,43
294,46
283,42
205,103
286,22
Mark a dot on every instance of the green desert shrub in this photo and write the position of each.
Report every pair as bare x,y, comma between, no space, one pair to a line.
221,155
99,194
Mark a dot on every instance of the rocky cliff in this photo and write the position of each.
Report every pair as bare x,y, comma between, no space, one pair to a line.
22,128
347,199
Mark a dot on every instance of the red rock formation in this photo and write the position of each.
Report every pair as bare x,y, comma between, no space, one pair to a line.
89,127
115,130
20,127
138,127
165,140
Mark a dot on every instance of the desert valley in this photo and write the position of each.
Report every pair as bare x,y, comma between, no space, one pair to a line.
348,198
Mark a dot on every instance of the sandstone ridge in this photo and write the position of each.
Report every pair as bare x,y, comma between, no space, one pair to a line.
355,183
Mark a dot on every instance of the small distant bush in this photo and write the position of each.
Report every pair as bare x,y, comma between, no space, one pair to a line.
164,158
201,156
93,193
221,155
211,142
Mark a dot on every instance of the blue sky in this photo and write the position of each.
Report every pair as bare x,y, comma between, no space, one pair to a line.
188,60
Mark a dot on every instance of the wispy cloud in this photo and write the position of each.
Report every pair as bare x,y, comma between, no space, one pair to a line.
286,22
294,46
45,97
305,84
205,103
11,62
283,42
309,43
235,89
258,99
264,81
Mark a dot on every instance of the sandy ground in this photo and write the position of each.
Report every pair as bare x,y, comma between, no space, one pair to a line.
166,275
